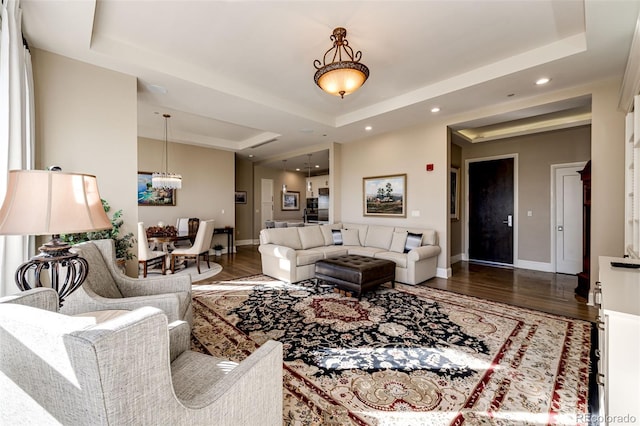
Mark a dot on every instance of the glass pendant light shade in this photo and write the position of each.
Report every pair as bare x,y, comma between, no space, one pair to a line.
166,179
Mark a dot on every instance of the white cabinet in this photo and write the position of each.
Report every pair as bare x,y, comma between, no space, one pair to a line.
618,298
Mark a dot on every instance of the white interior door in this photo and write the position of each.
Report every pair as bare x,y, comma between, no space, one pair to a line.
568,229
266,197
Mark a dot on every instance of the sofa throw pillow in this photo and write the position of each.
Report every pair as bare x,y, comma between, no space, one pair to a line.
337,237
398,241
350,237
413,241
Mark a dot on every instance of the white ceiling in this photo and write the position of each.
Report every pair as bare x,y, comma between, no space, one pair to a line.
236,74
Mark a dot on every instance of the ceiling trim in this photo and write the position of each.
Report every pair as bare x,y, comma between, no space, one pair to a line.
631,80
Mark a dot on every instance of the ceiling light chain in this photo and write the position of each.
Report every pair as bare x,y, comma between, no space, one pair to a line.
340,77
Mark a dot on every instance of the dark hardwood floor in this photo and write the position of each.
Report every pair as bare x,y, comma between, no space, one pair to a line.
541,291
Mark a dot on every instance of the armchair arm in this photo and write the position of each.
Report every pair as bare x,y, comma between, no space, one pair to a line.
179,338
281,252
131,287
257,381
39,297
423,252
85,300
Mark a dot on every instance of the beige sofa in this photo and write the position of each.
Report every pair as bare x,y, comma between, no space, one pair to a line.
290,254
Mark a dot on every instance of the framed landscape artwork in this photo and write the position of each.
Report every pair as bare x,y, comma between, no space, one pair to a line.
148,196
241,197
385,195
291,200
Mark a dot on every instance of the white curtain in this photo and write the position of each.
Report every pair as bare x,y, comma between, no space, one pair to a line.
17,129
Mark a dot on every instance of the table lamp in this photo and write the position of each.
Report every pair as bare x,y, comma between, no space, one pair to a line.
50,202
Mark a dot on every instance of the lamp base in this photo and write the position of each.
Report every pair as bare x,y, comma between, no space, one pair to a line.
56,258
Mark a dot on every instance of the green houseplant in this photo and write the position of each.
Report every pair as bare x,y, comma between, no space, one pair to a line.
123,243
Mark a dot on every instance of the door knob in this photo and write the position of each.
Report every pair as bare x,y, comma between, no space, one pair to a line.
560,228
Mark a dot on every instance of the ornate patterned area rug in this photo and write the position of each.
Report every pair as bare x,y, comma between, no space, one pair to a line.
409,356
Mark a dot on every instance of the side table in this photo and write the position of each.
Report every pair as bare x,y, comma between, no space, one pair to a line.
229,232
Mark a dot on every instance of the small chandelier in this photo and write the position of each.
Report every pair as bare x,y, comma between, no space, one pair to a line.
165,179
340,77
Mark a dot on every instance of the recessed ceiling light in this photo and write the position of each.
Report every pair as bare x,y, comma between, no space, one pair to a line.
317,166
435,109
250,155
297,169
368,128
542,81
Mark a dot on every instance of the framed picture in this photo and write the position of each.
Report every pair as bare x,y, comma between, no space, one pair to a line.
385,195
241,197
454,208
291,200
148,196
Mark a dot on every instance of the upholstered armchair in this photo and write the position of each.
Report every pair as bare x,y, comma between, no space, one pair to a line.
107,288
59,369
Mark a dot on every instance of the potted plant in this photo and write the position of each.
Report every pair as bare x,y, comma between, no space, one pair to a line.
218,249
123,243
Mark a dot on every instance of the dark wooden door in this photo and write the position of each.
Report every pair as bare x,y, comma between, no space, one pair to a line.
491,211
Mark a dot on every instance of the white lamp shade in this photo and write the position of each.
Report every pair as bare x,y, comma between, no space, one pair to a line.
40,202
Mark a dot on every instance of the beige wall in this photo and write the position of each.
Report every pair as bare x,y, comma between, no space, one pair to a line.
536,154
244,212
406,151
607,175
208,177
86,121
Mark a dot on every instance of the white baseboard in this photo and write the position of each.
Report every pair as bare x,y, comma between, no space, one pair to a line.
536,266
443,272
457,258
247,242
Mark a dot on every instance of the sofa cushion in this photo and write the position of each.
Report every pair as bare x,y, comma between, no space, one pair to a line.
429,236
310,237
379,236
398,241
327,232
287,237
365,251
308,257
350,237
413,241
337,237
333,251
362,231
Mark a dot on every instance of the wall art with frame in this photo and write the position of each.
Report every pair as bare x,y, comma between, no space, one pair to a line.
291,200
148,196
385,195
241,197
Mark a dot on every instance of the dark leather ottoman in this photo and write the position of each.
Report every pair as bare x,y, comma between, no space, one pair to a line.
356,274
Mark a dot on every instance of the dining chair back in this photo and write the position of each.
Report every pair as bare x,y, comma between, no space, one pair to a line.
200,247
146,255
193,225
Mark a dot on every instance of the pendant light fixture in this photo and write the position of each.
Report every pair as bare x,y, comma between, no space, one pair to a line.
284,176
309,185
344,74
165,179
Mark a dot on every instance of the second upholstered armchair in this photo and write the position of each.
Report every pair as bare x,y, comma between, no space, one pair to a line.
106,288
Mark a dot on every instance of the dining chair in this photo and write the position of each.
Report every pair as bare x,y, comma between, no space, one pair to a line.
182,226
193,225
200,247
147,256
